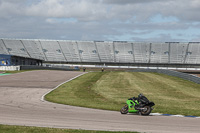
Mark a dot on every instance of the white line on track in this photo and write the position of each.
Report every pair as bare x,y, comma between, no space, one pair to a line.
42,98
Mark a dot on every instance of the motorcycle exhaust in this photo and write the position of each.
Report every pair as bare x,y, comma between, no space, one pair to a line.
142,109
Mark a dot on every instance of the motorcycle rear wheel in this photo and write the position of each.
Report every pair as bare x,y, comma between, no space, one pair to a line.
147,111
124,109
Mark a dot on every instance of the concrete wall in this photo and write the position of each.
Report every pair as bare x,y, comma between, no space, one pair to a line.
9,68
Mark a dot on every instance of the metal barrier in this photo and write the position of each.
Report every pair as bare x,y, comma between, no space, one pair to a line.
33,67
185,76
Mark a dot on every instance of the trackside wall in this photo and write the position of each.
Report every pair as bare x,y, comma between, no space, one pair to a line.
172,73
32,67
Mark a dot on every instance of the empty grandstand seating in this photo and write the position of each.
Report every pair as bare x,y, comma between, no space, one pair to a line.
193,53
141,52
70,51
52,51
156,53
3,49
165,51
88,51
103,51
34,49
123,52
177,52
15,47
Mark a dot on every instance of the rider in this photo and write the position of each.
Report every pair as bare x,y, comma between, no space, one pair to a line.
141,99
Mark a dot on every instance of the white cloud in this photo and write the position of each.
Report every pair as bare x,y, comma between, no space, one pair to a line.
81,10
103,9
99,19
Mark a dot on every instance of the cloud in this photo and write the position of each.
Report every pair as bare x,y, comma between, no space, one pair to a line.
100,19
125,2
81,10
140,10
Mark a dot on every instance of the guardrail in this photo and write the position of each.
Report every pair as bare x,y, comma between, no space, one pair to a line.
185,76
33,67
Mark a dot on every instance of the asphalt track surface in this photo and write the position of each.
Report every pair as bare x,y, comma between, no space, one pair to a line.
21,104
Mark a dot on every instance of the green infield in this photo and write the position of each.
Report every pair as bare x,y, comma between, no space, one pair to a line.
2,74
110,90
23,129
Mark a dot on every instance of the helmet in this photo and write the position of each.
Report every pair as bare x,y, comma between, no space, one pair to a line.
140,95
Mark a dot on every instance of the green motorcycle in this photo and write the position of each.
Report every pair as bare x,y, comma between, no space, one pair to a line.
139,105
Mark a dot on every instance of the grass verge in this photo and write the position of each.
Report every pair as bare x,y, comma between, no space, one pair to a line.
23,129
110,90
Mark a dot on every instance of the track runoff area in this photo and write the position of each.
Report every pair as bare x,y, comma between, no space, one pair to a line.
21,104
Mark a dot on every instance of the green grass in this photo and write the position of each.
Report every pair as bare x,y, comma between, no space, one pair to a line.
2,74
110,90
23,129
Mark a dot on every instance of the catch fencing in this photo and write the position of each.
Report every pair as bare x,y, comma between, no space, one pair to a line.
185,76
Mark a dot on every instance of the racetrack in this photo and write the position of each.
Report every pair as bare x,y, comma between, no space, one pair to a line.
21,104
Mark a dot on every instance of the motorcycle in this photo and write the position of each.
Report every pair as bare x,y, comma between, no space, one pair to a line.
138,105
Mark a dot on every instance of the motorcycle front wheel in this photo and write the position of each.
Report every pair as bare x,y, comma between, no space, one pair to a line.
124,109
146,111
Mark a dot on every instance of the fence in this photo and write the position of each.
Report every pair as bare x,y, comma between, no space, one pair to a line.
172,73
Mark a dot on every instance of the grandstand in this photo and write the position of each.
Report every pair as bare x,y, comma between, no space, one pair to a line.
101,52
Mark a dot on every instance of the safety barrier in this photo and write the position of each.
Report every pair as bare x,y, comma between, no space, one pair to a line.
185,76
33,67
9,68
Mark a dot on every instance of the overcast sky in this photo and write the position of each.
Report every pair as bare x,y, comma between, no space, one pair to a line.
103,20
